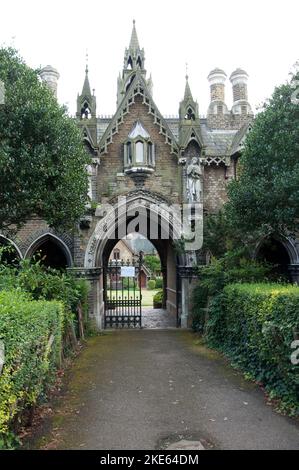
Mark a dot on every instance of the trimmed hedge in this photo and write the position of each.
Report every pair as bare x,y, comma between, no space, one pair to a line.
32,335
254,325
151,284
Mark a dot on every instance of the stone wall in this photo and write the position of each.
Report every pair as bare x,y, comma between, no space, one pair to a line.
166,178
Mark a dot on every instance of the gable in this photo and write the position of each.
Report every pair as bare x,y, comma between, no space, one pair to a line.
138,88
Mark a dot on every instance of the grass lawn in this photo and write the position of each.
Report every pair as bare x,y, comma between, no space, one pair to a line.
147,295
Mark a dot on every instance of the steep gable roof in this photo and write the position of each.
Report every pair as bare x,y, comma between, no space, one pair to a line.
239,139
138,87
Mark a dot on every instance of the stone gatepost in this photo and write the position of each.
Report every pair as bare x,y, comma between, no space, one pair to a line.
188,276
93,276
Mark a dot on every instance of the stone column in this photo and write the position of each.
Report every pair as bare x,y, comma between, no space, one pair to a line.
293,270
188,275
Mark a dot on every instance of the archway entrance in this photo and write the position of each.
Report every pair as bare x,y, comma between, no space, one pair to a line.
273,252
135,286
157,227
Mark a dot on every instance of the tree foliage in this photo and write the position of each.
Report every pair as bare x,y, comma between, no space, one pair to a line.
42,158
266,195
153,263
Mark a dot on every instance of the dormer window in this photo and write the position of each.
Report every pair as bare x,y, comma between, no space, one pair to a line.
139,151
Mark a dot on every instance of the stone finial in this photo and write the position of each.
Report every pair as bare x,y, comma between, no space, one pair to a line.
2,93
217,78
50,75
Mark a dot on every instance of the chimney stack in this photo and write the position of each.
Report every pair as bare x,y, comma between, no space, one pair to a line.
50,76
239,80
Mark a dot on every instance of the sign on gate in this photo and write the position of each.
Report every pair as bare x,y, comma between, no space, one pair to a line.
127,271
122,294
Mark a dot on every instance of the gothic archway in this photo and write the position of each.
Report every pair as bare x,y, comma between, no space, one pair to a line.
157,224
11,254
280,253
52,252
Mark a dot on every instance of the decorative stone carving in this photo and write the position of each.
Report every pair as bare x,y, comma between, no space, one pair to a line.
194,180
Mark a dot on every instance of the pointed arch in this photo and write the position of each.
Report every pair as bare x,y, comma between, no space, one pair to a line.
8,242
287,243
62,252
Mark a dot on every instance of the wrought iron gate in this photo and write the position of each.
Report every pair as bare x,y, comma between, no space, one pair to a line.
122,294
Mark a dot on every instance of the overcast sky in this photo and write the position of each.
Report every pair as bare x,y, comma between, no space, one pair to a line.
259,36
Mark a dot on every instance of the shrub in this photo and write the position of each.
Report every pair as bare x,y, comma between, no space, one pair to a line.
32,335
151,284
254,325
232,267
158,299
47,284
159,282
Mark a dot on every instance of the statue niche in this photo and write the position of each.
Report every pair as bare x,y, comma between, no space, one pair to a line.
194,180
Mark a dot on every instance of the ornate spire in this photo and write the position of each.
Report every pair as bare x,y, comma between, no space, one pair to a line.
134,43
86,102
134,55
133,63
86,86
188,93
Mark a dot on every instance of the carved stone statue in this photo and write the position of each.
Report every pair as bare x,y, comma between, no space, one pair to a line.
194,181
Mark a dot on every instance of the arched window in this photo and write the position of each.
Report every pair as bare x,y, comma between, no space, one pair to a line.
139,152
150,154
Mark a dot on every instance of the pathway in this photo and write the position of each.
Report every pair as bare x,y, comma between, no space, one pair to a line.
146,389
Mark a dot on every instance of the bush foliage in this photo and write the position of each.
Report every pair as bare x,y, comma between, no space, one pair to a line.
151,284
31,332
254,325
38,312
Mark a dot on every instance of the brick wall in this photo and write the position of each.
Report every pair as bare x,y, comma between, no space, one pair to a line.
166,178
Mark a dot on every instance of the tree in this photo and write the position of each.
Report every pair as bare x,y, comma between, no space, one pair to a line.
42,157
153,263
265,198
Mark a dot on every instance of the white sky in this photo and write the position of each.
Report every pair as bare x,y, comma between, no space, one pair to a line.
259,36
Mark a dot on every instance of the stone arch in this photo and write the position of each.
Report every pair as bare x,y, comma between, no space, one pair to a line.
286,242
279,250
106,235
107,224
54,241
7,241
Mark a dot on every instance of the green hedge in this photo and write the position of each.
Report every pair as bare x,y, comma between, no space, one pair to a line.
32,335
151,284
255,324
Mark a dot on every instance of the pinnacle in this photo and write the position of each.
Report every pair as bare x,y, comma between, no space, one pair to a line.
134,43
86,86
188,93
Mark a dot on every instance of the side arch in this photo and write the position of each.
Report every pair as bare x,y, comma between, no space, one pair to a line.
7,241
52,239
287,242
